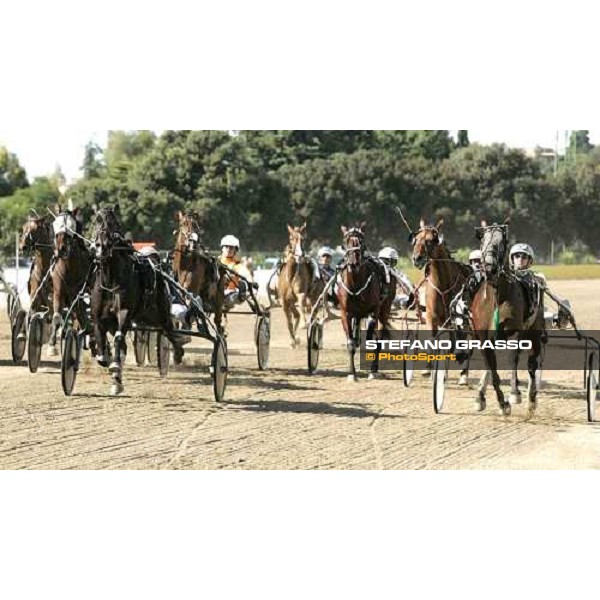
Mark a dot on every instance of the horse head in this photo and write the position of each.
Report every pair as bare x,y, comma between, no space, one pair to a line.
427,243
36,231
296,241
188,232
65,228
107,231
354,244
494,246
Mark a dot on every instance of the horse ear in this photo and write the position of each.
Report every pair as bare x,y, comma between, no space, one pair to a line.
303,228
362,226
440,224
344,230
290,229
483,223
422,223
178,215
58,208
507,220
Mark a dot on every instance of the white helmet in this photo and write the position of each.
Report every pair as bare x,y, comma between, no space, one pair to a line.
149,252
325,251
389,254
522,248
475,255
230,240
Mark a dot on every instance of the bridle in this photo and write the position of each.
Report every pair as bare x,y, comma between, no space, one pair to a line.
492,249
354,246
428,245
188,236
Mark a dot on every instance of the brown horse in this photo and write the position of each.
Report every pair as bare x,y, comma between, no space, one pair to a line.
71,269
500,310
37,238
443,279
300,284
362,292
194,269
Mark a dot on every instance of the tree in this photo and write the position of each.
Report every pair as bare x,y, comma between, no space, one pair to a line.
12,175
462,140
580,142
93,166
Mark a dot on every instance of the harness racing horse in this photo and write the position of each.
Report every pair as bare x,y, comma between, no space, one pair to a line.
194,269
300,284
126,288
362,292
37,239
72,265
443,279
500,309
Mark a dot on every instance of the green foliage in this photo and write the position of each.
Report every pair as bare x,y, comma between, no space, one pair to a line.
12,174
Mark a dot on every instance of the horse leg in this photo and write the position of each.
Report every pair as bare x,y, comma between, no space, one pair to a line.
347,325
116,367
56,322
373,333
515,392
532,366
480,403
287,311
490,359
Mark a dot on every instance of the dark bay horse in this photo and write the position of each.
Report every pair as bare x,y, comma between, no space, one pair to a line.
126,288
194,269
443,280
72,265
37,240
299,285
362,293
500,310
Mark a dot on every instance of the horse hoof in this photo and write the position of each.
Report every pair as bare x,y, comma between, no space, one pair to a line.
351,379
463,381
52,351
505,411
102,361
115,367
531,411
116,389
425,374
293,345
515,399
480,405
374,376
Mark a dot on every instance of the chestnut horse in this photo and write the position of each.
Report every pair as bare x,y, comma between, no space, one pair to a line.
362,292
37,239
72,265
500,310
194,269
299,285
444,277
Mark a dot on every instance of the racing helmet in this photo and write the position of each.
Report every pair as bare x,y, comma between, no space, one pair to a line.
230,240
389,253
523,249
475,255
325,251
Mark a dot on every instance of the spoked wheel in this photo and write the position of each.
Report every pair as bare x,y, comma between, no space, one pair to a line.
151,338
19,336
440,377
139,347
70,361
591,386
36,341
219,368
263,341
315,342
163,353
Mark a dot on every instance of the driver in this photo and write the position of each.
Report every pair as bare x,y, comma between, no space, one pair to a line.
236,288
389,256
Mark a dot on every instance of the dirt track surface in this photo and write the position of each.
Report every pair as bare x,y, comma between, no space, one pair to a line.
284,418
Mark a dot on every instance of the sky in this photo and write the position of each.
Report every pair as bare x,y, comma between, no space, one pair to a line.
40,151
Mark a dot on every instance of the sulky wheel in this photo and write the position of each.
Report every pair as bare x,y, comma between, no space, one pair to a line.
70,361
163,353
36,341
263,341
19,336
219,368
591,386
315,343
440,377
139,347
408,368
